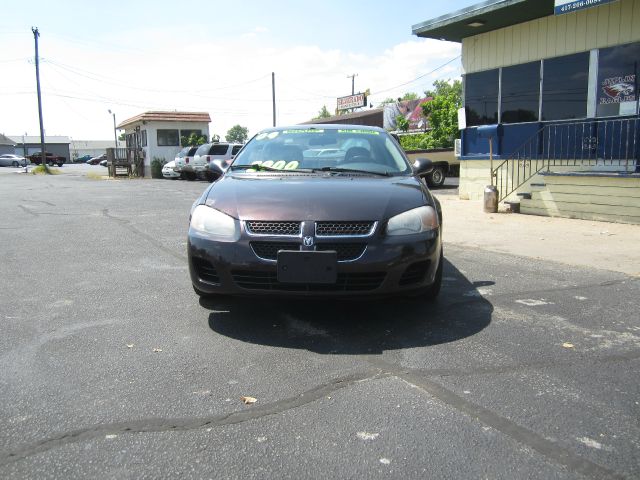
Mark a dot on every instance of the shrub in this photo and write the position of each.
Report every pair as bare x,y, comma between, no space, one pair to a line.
156,167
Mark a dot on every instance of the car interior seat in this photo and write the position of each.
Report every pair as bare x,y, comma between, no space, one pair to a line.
284,152
357,154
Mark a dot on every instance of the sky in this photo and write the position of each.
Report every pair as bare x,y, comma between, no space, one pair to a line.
216,57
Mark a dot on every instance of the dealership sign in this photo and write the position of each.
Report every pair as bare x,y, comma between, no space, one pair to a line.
568,6
352,101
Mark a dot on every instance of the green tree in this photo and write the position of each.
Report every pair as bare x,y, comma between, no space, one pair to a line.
444,87
402,123
237,134
323,113
406,96
409,96
193,140
122,137
442,113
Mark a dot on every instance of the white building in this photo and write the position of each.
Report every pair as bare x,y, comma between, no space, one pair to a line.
551,95
95,148
158,134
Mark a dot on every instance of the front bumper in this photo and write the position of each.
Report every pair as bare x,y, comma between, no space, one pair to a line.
386,266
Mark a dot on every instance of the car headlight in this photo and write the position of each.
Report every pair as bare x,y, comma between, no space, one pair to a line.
215,224
418,220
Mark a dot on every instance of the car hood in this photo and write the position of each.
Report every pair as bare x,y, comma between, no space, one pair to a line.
315,197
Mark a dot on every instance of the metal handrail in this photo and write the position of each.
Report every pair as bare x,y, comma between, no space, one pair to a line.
591,142
128,157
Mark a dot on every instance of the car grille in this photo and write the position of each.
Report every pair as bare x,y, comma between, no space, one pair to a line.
269,250
325,229
346,251
346,282
256,227
414,273
205,271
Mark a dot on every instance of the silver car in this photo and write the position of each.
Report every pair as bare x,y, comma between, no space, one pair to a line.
11,160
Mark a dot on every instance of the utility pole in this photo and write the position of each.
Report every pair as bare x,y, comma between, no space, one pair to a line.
273,96
115,135
353,82
24,150
43,157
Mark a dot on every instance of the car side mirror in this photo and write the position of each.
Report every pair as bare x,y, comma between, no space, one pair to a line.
215,170
422,167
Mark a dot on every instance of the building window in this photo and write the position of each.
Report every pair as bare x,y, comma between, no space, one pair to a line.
188,133
168,138
520,93
481,98
565,87
618,80
144,138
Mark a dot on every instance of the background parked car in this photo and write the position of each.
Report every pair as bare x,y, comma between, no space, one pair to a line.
184,157
50,158
211,152
82,159
11,160
103,163
97,160
168,170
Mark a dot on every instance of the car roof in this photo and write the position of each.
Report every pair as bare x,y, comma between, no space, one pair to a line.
325,126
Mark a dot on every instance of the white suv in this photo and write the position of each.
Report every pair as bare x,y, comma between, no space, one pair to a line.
213,152
184,157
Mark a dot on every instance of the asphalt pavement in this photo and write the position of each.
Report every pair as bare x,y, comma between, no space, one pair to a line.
110,366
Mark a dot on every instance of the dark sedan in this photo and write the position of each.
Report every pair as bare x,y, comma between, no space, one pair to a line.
283,219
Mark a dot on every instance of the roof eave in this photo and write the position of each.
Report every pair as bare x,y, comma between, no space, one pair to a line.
495,14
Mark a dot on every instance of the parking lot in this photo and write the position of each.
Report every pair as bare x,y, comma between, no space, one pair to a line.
111,367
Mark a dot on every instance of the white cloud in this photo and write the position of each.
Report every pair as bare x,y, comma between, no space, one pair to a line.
230,78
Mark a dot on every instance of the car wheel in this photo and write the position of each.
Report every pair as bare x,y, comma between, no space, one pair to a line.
436,177
15,164
50,163
60,164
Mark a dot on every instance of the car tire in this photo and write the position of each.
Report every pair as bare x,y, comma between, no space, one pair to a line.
15,164
50,163
60,164
436,177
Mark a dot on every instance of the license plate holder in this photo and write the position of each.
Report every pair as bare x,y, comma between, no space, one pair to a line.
296,266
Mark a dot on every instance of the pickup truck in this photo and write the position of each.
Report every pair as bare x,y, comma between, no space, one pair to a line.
50,158
444,161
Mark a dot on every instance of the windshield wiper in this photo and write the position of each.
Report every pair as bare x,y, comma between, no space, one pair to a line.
351,170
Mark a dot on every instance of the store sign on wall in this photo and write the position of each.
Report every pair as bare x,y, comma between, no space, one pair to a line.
568,6
618,90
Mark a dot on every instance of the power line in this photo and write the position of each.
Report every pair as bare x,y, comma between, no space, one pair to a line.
417,78
109,80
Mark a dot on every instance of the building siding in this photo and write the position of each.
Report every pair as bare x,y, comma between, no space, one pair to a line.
599,27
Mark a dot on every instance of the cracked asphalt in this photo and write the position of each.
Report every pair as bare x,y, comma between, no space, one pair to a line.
110,366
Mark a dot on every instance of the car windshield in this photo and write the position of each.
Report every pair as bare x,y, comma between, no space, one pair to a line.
182,153
348,150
